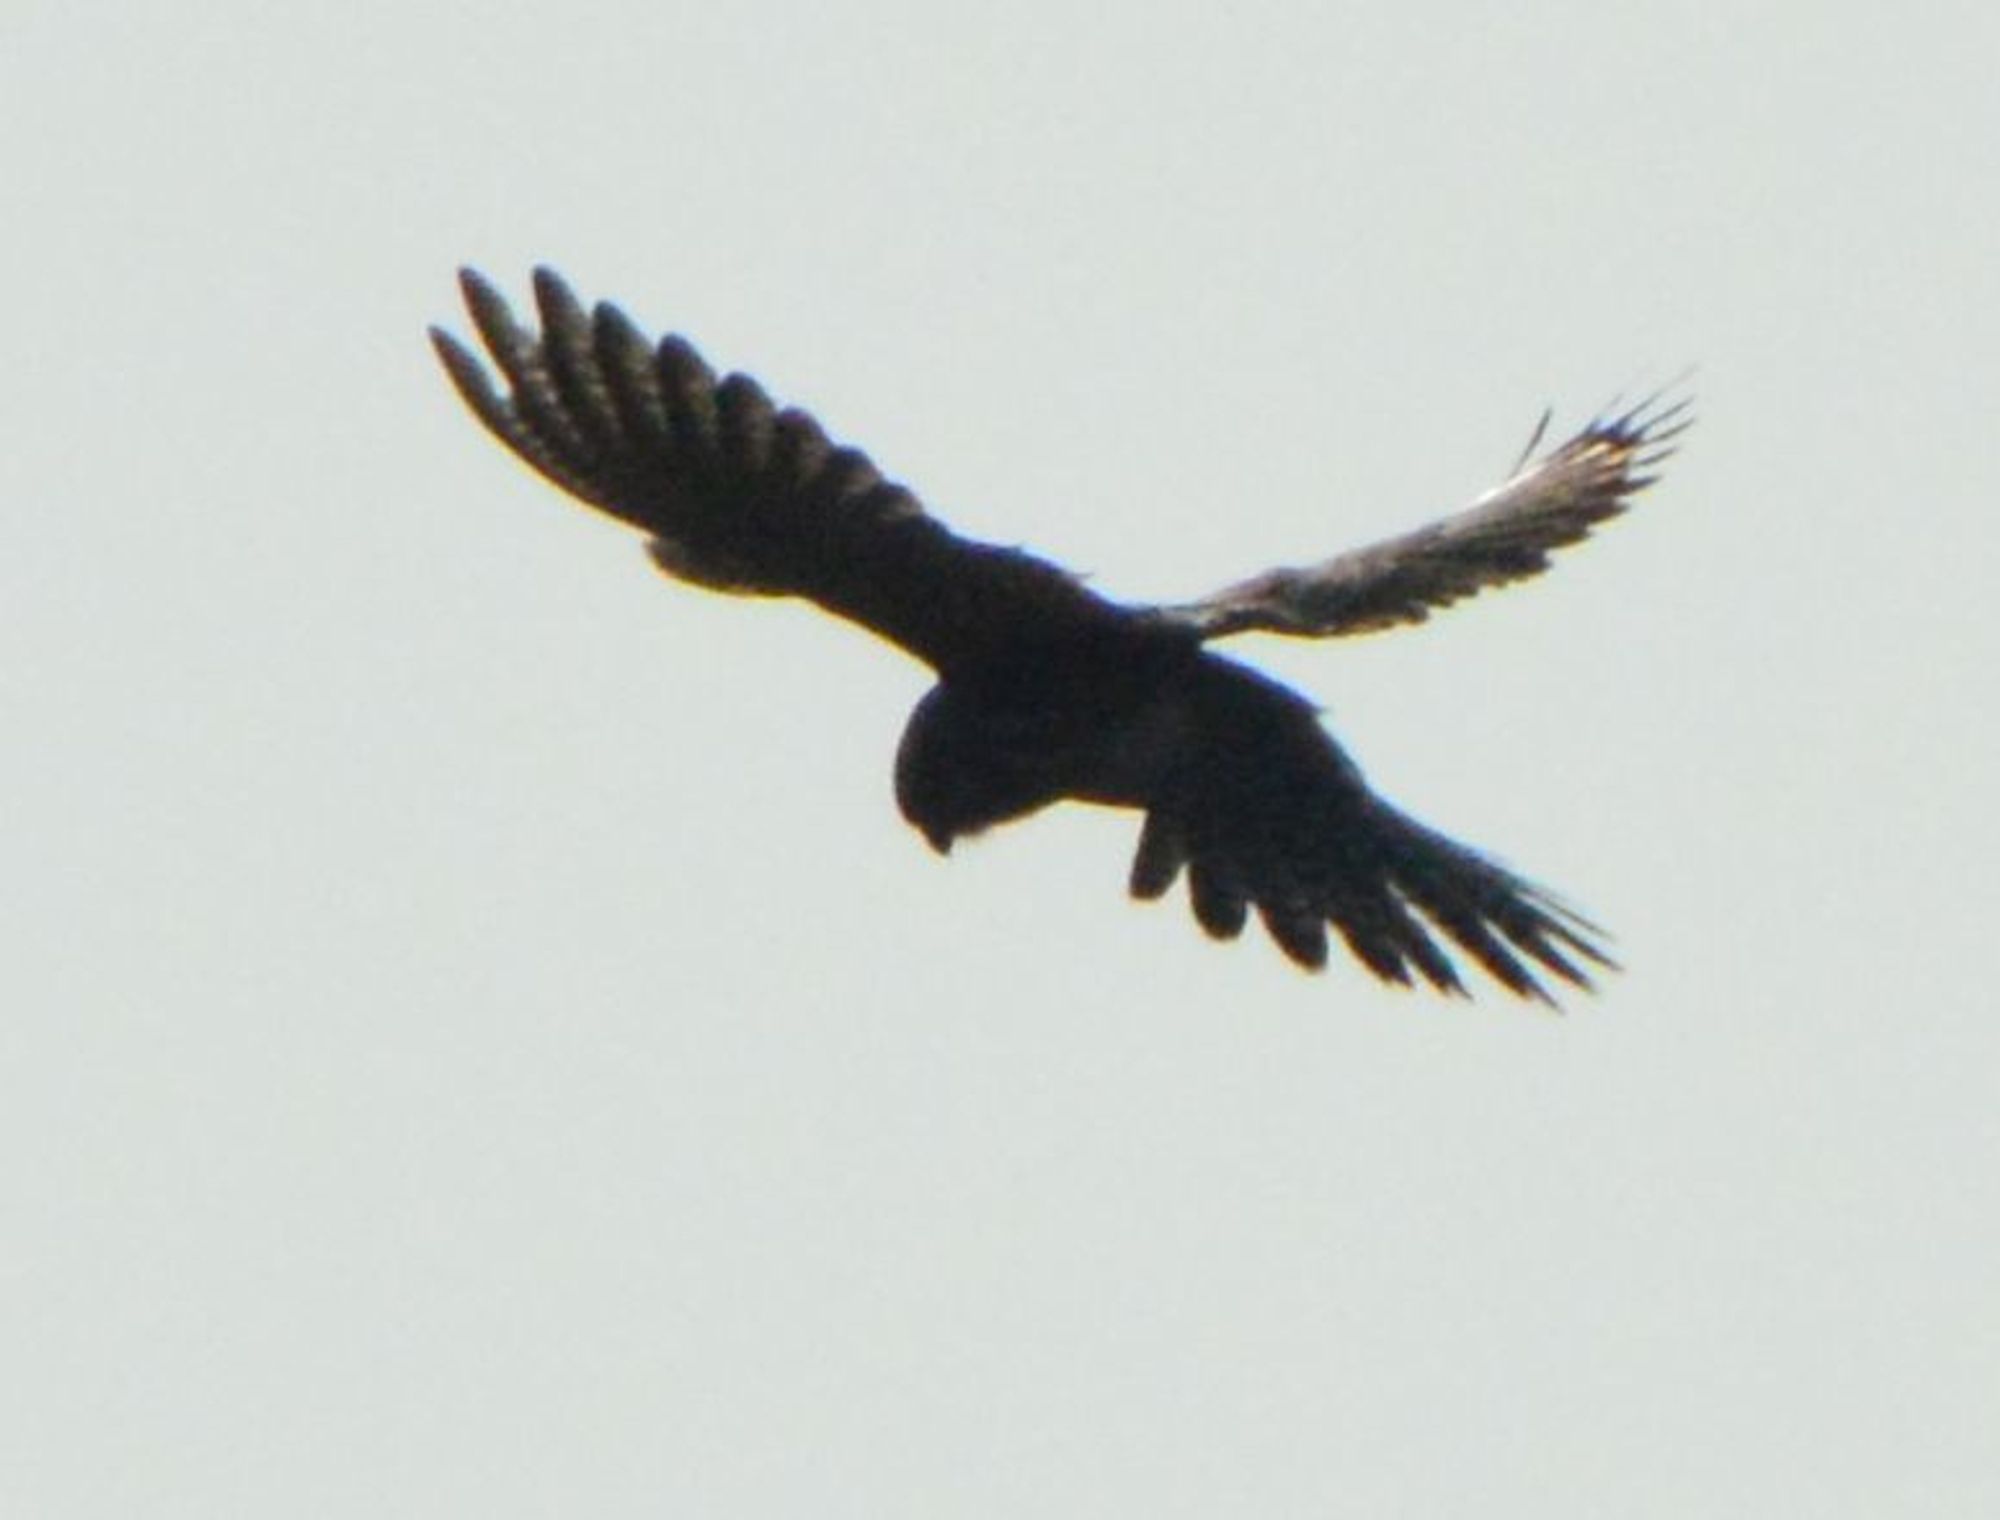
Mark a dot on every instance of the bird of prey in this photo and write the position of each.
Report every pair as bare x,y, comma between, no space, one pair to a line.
1048,691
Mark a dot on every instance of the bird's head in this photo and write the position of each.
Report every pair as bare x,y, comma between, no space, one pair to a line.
965,764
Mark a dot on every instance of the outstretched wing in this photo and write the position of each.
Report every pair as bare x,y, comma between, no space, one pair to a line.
738,495
1507,535
1266,811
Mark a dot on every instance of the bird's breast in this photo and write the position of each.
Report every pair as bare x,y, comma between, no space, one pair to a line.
1132,752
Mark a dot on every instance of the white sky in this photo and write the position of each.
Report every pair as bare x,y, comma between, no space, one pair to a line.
479,1039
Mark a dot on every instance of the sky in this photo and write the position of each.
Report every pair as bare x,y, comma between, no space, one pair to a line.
479,1039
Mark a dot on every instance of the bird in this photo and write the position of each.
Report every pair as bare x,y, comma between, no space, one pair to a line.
1047,691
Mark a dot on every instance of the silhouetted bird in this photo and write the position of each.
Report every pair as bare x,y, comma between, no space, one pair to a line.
1047,690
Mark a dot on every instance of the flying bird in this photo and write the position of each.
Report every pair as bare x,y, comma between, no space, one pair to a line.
1046,690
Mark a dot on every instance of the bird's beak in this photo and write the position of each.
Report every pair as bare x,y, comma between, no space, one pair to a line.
939,839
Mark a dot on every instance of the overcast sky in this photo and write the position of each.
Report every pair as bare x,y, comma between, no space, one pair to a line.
479,1039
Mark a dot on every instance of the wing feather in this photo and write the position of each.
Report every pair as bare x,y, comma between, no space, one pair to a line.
1267,812
1550,502
740,496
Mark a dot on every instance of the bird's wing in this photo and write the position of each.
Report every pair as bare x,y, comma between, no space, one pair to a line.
1551,501
738,495
1265,811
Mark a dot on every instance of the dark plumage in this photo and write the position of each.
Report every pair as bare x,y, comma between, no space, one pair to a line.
1049,691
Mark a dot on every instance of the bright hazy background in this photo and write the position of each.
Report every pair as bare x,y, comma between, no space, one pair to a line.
478,1039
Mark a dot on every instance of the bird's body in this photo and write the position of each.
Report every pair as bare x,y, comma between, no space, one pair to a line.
1048,691
1098,719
